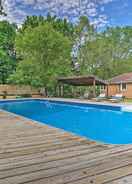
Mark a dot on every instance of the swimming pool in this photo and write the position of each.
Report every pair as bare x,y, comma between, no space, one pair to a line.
105,123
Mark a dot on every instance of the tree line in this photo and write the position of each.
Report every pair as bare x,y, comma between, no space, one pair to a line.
45,48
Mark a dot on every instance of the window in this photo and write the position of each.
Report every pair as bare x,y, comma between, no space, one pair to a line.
123,87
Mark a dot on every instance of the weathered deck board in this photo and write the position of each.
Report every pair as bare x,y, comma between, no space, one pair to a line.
39,154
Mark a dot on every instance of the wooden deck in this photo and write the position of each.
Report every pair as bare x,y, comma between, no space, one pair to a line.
31,153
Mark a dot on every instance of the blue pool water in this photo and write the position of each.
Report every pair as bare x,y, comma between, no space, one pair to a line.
103,123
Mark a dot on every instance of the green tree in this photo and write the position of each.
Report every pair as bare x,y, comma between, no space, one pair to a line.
83,27
7,66
109,54
83,34
60,25
2,12
7,51
46,55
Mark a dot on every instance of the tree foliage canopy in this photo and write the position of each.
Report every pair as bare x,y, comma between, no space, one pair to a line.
60,25
7,52
48,47
45,55
109,54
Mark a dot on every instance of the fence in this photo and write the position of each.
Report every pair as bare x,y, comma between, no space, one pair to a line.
13,90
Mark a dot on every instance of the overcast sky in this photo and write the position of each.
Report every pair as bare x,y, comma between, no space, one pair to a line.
100,12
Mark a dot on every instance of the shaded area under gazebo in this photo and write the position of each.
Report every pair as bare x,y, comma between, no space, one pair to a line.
90,80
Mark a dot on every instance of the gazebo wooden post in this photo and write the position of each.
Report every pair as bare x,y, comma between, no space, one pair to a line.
58,90
72,90
62,90
107,90
94,87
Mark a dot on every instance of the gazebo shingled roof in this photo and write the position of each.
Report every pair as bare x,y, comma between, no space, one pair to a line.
82,80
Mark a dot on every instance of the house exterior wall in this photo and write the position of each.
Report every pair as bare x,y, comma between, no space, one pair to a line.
115,88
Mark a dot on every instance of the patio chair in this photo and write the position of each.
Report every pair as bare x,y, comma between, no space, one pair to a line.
116,98
102,96
86,95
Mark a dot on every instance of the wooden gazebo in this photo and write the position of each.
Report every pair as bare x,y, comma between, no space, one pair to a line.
90,80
